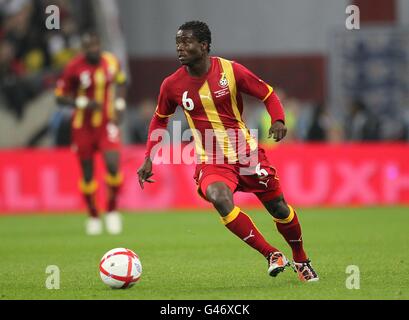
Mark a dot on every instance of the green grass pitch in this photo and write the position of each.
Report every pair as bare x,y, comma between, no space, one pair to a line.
191,255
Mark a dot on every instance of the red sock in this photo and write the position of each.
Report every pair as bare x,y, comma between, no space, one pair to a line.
112,198
290,229
242,226
89,191
114,184
92,208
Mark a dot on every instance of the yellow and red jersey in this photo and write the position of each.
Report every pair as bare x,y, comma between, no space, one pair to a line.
96,82
213,103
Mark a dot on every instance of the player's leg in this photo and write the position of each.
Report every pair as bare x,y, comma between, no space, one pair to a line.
221,196
114,179
109,143
265,184
289,227
88,187
219,191
83,143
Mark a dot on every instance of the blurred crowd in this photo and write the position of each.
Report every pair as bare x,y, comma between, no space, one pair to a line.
31,56
314,122
308,122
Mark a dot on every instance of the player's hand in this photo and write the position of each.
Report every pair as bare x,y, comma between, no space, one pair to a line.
278,131
145,172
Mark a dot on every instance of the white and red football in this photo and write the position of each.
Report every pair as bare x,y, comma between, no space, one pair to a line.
120,268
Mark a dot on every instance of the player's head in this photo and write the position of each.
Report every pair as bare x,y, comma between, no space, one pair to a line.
92,47
193,41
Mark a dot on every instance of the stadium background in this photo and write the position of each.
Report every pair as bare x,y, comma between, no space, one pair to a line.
345,93
343,166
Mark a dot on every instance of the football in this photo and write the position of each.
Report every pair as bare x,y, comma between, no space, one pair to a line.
120,268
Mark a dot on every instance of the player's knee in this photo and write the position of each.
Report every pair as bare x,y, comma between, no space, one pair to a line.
112,168
87,170
221,198
280,209
87,176
218,196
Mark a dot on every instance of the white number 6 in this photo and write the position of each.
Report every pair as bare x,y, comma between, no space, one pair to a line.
85,79
187,102
261,172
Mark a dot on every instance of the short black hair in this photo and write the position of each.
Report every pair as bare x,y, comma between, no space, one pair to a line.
90,34
200,30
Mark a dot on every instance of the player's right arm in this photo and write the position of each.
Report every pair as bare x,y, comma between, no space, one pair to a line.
65,87
165,109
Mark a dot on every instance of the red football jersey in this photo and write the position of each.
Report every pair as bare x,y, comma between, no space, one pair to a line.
96,82
213,106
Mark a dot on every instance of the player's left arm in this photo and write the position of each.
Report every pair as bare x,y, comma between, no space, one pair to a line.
247,82
121,92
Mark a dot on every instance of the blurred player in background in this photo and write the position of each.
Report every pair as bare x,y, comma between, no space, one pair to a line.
209,89
95,85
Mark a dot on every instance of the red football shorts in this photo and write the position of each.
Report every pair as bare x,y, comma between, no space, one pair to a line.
87,140
264,183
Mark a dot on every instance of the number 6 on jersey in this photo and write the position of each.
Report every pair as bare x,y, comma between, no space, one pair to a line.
187,102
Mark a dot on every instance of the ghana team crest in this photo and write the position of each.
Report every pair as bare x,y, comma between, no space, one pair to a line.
223,82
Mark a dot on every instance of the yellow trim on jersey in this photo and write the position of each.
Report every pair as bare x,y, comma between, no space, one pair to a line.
114,67
99,85
231,216
229,73
79,119
217,124
96,118
79,114
270,91
288,219
88,188
99,95
110,57
113,63
198,141
163,115
119,78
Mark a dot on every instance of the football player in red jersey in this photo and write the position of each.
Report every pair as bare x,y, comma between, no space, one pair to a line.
209,90
94,84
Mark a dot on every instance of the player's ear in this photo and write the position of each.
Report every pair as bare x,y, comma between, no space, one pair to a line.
205,46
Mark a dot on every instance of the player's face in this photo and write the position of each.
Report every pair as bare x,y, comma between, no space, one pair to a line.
188,48
92,49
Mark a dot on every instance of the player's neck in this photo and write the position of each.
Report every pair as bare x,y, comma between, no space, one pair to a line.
200,68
